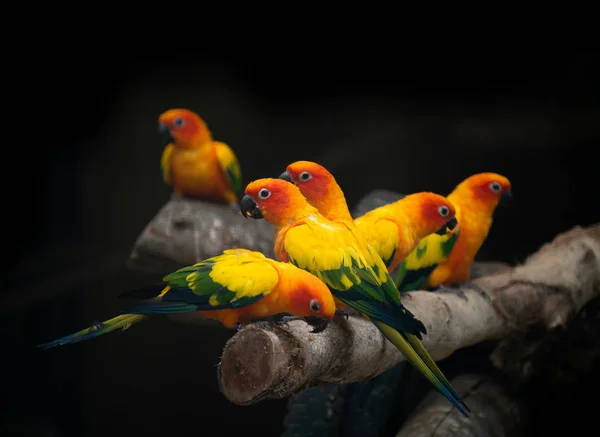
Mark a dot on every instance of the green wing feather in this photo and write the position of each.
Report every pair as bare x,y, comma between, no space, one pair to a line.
431,251
235,279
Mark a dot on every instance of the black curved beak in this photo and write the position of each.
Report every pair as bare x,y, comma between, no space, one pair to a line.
506,197
249,208
165,134
450,225
286,177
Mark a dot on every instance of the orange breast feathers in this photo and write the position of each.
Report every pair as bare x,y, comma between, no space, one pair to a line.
457,267
475,200
196,173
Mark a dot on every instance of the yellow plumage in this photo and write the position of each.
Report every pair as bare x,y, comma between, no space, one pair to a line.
244,272
338,247
165,163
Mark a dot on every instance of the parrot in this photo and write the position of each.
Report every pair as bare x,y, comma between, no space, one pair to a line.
393,230
234,288
194,164
440,261
340,256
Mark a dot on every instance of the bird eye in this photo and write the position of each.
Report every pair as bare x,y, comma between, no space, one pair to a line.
444,210
304,176
264,194
495,187
315,307
178,122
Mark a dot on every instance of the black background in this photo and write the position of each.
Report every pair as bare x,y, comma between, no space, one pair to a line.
82,179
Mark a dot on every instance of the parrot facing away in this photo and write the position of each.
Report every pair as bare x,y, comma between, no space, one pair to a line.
233,288
393,230
338,254
446,260
193,163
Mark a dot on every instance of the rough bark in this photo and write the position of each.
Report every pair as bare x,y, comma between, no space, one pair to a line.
274,361
185,231
498,414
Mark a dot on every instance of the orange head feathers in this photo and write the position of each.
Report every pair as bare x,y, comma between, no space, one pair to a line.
183,128
432,212
308,295
487,189
275,200
319,187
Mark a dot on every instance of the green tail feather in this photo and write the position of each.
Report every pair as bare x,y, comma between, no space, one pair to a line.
404,346
123,321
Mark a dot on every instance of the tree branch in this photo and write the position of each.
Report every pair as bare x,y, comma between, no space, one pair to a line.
185,231
496,410
274,361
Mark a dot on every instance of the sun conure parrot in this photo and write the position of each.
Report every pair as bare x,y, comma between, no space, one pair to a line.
393,230
339,255
438,260
194,164
233,288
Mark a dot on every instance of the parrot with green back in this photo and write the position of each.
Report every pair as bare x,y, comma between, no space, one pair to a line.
194,164
393,230
446,260
233,288
336,253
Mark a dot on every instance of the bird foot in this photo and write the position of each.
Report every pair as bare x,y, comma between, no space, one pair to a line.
283,319
318,324
451,290
96,325
239,326
342,313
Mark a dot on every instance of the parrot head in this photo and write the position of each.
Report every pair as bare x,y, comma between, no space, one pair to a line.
319,187
275,200
432,213
183,128
487,188
310,298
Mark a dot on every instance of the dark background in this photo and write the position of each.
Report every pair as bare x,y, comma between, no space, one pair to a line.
82,179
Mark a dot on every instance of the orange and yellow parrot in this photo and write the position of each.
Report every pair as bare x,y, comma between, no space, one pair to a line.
336,253
393,230
233,288
440,261
193,163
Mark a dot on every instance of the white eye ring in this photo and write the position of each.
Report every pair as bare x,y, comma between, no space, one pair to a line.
444,210
178,122
264,194
304,176
315,307
495,187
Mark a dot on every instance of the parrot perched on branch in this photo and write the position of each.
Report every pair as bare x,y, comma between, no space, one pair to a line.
339,255
393,230
233,288
194,164
446,260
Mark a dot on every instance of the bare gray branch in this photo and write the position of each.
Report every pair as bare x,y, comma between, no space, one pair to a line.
185,231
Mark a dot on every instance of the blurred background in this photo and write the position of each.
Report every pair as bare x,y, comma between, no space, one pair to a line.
85,180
